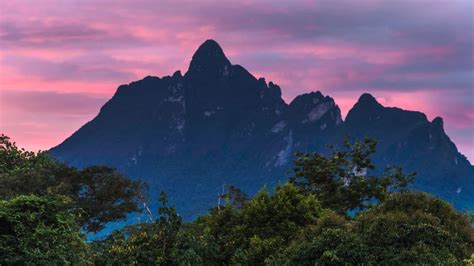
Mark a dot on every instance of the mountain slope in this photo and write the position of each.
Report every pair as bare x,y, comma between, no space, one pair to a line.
408,139
188,135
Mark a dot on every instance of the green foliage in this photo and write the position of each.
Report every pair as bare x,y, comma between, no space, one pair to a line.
103,194
342,181
45,203
39,230
159,243
22,172
261,228
408,228
415,228
235,196
469,261
331,241
13,159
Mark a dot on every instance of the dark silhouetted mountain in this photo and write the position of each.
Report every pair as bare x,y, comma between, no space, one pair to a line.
408,139
188,135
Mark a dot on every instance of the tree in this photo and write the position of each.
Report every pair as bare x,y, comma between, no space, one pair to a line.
415,228
303,222
235,196
343,181
289,227
39,230
264,225
330,241
102,193
21,171
160,243
407,228
469,261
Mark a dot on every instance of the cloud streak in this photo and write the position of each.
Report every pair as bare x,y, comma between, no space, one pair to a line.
403,52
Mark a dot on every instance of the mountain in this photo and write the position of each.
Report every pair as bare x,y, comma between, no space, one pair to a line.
188,135
408,139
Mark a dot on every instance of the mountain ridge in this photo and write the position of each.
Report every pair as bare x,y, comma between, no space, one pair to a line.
188,134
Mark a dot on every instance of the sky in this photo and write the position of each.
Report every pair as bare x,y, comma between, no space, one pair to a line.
61,60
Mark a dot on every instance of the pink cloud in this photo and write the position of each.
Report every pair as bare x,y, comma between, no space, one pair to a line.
407,55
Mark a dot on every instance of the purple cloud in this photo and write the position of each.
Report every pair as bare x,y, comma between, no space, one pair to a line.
413,54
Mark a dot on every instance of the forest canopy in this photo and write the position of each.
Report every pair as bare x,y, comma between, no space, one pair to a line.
334,210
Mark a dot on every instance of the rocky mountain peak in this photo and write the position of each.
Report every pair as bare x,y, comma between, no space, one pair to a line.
366,100
314,106
367,108
209,59
177,74
438,123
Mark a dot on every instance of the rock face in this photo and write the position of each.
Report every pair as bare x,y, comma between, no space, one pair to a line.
188,135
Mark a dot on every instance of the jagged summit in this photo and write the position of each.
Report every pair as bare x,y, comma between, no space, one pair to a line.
209,58
209,45
438,122
366,108
177,74
366,100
